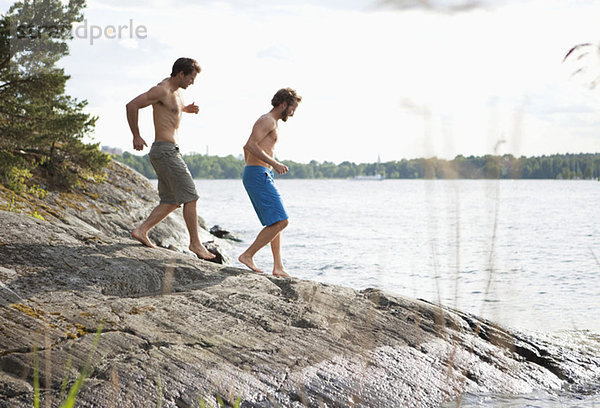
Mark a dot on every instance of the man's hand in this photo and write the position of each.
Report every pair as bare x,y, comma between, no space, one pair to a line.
139,143
192,108
280,168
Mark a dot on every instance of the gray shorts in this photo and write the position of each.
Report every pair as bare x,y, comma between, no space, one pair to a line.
175,183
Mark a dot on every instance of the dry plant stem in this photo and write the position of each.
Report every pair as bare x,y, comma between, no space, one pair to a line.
595,257
48,368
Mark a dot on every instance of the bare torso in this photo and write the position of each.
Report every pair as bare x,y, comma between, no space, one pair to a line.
167,115
266,143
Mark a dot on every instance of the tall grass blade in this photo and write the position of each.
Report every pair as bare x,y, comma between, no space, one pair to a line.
85,373
36,379
65,381
159,391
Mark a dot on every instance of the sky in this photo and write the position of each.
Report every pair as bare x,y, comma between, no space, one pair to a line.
387,79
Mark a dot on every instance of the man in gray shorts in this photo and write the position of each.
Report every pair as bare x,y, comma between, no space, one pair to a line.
175,183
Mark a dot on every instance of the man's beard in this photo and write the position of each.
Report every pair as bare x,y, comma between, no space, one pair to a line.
284,115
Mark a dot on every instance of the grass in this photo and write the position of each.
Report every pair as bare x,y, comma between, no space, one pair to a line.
159,391
71,398
221,403
86,371
36,379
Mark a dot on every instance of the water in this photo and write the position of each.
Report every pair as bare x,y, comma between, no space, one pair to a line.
535,400
523,253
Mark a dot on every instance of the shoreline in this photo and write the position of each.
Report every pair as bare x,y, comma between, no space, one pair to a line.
203,328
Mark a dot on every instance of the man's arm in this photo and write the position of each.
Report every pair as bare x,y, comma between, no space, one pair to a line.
260,130
155,94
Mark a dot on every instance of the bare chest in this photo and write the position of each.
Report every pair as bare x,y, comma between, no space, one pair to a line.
172,104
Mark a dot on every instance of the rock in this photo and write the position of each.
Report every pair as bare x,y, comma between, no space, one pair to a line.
198,328
115,207
179,330
218,232
213,248
202,223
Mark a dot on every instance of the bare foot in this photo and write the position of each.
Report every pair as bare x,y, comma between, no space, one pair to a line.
202,252
281,273
143,238
249,262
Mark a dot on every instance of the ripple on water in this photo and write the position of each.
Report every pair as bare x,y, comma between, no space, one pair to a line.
535,400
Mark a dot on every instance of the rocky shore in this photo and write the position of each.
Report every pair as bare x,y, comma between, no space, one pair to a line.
177,330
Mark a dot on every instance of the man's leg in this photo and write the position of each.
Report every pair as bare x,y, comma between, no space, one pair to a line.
266,235
156,216
278,268
191,221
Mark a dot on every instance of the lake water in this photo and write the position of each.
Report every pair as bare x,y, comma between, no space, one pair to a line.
523,253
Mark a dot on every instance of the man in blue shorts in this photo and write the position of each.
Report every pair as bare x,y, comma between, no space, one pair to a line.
258,179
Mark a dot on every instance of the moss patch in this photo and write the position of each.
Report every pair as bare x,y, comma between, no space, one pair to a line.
136,311
28,310
81,329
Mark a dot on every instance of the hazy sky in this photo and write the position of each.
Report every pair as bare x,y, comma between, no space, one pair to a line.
395,82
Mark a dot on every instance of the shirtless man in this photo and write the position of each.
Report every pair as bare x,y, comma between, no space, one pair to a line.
175,183
258,179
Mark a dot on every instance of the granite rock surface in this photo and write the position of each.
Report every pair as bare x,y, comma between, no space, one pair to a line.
177,330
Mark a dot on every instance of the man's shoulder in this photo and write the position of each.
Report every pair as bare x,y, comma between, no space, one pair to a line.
267,120
163,82
159,91
163,86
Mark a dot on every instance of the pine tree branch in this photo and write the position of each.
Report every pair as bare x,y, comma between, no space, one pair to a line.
18,81
4,63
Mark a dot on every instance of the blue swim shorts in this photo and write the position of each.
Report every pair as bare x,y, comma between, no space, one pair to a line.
259,184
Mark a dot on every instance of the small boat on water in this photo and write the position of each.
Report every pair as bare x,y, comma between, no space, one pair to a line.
372,177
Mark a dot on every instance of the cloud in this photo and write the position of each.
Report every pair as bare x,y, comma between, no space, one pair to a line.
374,80
449,6
129,43
274,52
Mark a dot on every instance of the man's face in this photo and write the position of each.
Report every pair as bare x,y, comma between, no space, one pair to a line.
187,80
289,111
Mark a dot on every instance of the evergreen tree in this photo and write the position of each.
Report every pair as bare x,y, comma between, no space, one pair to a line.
39,124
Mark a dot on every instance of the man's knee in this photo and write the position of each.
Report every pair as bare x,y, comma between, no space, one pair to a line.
283,223
169,206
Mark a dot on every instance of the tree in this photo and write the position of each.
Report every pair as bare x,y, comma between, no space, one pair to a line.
40,126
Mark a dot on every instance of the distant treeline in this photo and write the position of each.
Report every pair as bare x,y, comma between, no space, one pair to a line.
560,166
